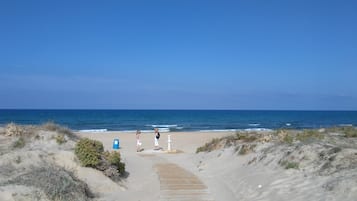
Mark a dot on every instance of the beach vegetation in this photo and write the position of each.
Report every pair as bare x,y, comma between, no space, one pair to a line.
19,143
289,139
57,183
309,134
37,137
114,159
13,129
246,137
209,146
60,139
18,159
91,154
285,136
347,131
290,164
246,148
88,152
51,126
232,140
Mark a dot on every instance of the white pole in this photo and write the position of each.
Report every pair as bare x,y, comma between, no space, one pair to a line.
168,143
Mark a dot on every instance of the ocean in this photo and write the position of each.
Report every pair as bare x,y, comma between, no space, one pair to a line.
180,120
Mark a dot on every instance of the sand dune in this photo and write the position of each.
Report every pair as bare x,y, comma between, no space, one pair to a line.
235,168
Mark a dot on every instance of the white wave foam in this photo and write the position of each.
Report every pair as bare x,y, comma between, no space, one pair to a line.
257,129
288,124
93,130
345,125
163,125
254,124
134,131
218,130
164,130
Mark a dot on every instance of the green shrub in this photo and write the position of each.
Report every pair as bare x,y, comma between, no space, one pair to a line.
60,139
19,143
292,165
114,159
89,152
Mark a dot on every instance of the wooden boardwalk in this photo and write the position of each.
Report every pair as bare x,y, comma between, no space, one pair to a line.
178,184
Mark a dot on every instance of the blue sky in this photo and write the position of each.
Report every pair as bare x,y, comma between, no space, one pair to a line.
179,54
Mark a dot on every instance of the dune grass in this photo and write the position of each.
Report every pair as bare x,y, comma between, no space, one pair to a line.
57,183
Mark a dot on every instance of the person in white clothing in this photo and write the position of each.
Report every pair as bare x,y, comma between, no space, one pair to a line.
138,143
157,137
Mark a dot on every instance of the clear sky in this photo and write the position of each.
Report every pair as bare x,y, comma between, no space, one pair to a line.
179,54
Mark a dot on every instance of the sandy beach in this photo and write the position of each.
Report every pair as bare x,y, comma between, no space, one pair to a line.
224,176
275,165
143,183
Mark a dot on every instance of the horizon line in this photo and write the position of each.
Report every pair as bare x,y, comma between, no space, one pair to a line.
190,109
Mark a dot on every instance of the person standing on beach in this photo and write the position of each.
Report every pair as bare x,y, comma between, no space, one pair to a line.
138,143
157,137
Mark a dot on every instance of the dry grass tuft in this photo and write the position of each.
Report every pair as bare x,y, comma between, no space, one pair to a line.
50,126
57,183
310,134
60,139
290,164
209,146
19,143
348,131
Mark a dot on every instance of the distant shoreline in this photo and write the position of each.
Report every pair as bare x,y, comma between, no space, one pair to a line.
180,120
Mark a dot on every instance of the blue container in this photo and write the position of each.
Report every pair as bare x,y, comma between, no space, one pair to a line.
116,144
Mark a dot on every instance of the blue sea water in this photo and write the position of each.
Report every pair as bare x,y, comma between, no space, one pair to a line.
180,120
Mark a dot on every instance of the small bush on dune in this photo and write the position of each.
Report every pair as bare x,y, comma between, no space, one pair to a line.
19,143
57,183
60,139
114,159
13,129
91,154
88,152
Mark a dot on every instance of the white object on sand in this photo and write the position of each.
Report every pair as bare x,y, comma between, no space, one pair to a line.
259,186
168,143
